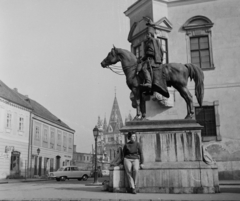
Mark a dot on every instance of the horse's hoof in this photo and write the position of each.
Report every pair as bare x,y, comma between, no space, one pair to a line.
137,118
144,119
191,116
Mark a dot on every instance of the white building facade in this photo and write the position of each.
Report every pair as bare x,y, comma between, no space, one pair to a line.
14,134
32,140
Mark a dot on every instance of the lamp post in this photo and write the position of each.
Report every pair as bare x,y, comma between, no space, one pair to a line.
96,131
95,134
38,151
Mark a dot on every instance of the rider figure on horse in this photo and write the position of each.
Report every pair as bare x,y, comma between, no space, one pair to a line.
152,62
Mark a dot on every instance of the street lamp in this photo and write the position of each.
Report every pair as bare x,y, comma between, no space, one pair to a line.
38,151
95,134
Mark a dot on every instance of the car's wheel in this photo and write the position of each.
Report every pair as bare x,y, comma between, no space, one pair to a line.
84,177
58,179
62,178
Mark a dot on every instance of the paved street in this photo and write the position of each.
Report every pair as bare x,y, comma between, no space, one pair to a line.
74,189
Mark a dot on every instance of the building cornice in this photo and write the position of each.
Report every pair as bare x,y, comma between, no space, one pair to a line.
14,105
169,3
39,118
135,6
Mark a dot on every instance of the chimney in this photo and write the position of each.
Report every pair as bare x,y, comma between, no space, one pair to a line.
15,89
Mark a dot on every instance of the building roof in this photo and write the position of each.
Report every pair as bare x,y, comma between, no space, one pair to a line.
42,112
7,94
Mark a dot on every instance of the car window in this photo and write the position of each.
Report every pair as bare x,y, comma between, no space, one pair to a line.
74,169
60,169
67,169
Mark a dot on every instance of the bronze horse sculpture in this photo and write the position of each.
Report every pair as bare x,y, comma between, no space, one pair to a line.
177,76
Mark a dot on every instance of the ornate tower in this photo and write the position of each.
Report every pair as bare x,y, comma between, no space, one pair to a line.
115,120
111,137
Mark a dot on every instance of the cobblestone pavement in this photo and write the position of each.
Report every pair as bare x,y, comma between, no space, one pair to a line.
75,190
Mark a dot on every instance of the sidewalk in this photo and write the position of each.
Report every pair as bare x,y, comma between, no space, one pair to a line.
60,191
6,181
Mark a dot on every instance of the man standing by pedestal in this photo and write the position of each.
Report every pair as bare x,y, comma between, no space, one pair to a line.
133,159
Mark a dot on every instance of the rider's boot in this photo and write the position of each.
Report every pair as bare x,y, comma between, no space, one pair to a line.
148,80
163,85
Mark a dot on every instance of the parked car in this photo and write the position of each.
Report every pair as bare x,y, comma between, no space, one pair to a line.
69,172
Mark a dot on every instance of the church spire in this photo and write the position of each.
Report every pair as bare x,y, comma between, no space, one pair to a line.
105,124
115,120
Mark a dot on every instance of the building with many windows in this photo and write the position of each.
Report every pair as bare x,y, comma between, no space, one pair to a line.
205,33
33,140
14,133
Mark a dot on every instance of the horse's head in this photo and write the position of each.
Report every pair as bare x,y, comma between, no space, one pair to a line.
112,58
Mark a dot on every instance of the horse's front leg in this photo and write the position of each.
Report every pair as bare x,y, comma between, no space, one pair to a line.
136,94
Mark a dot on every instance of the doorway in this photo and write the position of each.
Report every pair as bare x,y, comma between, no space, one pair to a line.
35,165
58,158
40,166
15,163
51,164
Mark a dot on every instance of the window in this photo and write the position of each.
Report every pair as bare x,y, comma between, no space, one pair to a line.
37,133
208,117
64,143
52,139
70,144
164,44
9,120
200,54
59,141
67,169
45,135
199,41
110,139
21,124
74,169
205,116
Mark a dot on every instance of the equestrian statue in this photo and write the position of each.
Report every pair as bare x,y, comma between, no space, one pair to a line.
148,74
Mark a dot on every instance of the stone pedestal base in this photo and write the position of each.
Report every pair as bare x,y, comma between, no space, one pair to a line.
173,162
169,177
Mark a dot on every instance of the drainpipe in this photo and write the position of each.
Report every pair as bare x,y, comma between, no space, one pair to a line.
30,143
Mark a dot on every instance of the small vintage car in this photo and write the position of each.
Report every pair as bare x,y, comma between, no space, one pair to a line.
69,172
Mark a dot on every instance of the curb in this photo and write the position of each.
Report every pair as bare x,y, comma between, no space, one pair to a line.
28,180
19,181
3,182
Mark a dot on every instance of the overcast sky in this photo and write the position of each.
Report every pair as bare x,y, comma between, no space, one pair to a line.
51,51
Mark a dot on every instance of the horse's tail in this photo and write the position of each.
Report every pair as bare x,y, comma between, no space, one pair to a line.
197,75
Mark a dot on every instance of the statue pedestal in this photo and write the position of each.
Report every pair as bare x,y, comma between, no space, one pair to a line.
172,159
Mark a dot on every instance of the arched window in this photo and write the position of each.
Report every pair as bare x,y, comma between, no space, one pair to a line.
199,41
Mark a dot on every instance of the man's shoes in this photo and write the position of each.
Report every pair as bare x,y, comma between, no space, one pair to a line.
133,191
